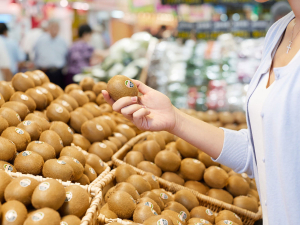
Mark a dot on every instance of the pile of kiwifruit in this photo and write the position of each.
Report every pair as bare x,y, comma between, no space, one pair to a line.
25,200
42,126
229,120
138,199
177,161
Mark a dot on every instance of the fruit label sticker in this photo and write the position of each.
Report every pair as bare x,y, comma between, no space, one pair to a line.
39,142
11,215
199,224
24,97
19,131
63,223
209,212
154,178
24,75
182,216
75,160
38,216
237,216
69,196
61,162
59,109
196,161
19,118
118,135
162,222
154,212
27,122
7,167
25,182
99,127
163,196
228,222
129,84
107,117
26,153
102,145
65,103
125,126
92,170
101,162
61,142
52,86
44,90
39,92
44,186
70,130
203,221
149,204
179,223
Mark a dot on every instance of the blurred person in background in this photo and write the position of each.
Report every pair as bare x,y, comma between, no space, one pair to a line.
16,55
97,40
5,73
50,53
279,10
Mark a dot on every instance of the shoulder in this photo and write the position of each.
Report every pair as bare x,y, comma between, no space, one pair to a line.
43,38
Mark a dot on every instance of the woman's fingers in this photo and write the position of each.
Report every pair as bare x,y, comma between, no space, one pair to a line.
123,102
107,98
143,88
140,113
129,110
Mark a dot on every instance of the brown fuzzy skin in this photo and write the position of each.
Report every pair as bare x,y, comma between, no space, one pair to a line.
75,164
18,136
203,213
127,131
7,166
84,112
117,88
129,188
43,77
36,79
22,82
71,220
43,149
48,95
95,162
54,169
39,98
18,107
92,131
91,95
51,217
54,89
186,150
63,103
1,100
179,208
123,172
28,162
5,180
154,219
228,215
87,84
68,98
139,183
83,180
150,149
237,185
215,177
154,197
79,96
56,112
192,169
221,195
11,116
90,172
164,195
3,124
71,87
100,99
76,121
122,204
16,206
25,99
197,186
64,132
73,152
81,141
173,177
98,87
206,159
102,150
93,108
32,127
8,150
187,199
6,90
149,167
134,158
142,213
246,202
53,139
45,125
167,161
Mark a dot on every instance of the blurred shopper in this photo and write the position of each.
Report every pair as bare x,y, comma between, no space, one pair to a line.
51,54
5,73
97,40
16,55
279,10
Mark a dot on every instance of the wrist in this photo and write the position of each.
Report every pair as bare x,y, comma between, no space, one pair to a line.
177,122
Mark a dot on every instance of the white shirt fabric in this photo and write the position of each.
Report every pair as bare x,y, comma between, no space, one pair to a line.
4,58
29,41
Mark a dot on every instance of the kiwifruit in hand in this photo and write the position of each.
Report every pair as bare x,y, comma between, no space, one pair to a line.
70,220
32,127
246,202
55,90
186,150
56,112
127,131
29,162
100,99
215,177
167,161
79,96
129,188
71,87
63,103
203,213
192,169
75,164
228,215
197,186
179,208
81,141
121,86
165,196
13,212
158,138
152,180
83,180
143,212
150,149
22,82
154,197
20,189
149,167
53,139
58,169
76,201
122,203
5,166
160,219
25,99
43,77
69,99
43,216
90,172
42,122
64,132
38,96
5,180
173,177
3,124
221,195
123,172
206,160
87,83
134,158
187,199
139,183
73,152
43,149
237,185
95,162
98,87
18,136
7,149
102,150
11,116
92,131
18,107
6,90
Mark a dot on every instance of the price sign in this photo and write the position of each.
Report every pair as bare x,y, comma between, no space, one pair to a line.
184,29
259,28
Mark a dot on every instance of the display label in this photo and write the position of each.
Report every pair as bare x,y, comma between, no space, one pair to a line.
11,215
162,222
59,109
61,162
92,170
19,131
163,196
69,196
25,182
27,122
26,153
24,97
99,127
38,216
7,167
44,186
129,84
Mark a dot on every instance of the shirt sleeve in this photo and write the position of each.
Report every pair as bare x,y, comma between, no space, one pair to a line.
237,152
4,57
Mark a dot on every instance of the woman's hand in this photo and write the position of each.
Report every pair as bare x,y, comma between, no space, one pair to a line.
152,111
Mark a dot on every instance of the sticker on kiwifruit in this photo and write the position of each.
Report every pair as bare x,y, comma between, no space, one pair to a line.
209,212
59,109
129,84
70,130
52,86
11,215
61,162
163,196
61,142
118,135
149,204
182,216
162,222
125,126
44,90
199,224
203,221
39,92
154,178
25,182
69,196
7,167
102,145
19,131
26,153
26,122
19,118
38,216
63,223
24,97
196,161
228,222
64,103
39,142
44,186
181,223
99,127
75,160
92,170
101,162
154,212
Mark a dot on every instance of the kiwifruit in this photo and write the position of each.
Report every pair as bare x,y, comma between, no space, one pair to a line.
25,99
215,177
109,121
93,108
53,139
107,212
151,180
58,169
18,107
246,202
22,82
101,150
6,90
70,220
174,216
231,126
75,164
18,136
55,90
150,149
43,77
109,192
29,162
76,121
187,199
211,116
167,161
95,162
125,130
91,95
81,141
87,83
92,131
71,87
139,183
3,124
154,197
76,201
149,167
68,98
98,87
134,158
242,126
38,96
173,177
226,117
122,203
121,86
7,166
129,188
203,213
56,112
165,196
158,138
64,132
100,99
224,222
13,212
197,186
32,128
160,219
20,189
186,150
79,96
253,184
228,215
206,160
239,117
43,149
123,172
63,103
221,195
5,180
168,137
143,212
73,152
192,169
7,149
46,93
111,144
253,193
11,116
83,180
226,168
237,185
121,137
90,172
43,216
179,208
84,112
106,129
42,122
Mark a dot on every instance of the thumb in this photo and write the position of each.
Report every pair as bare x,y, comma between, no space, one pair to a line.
143,88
